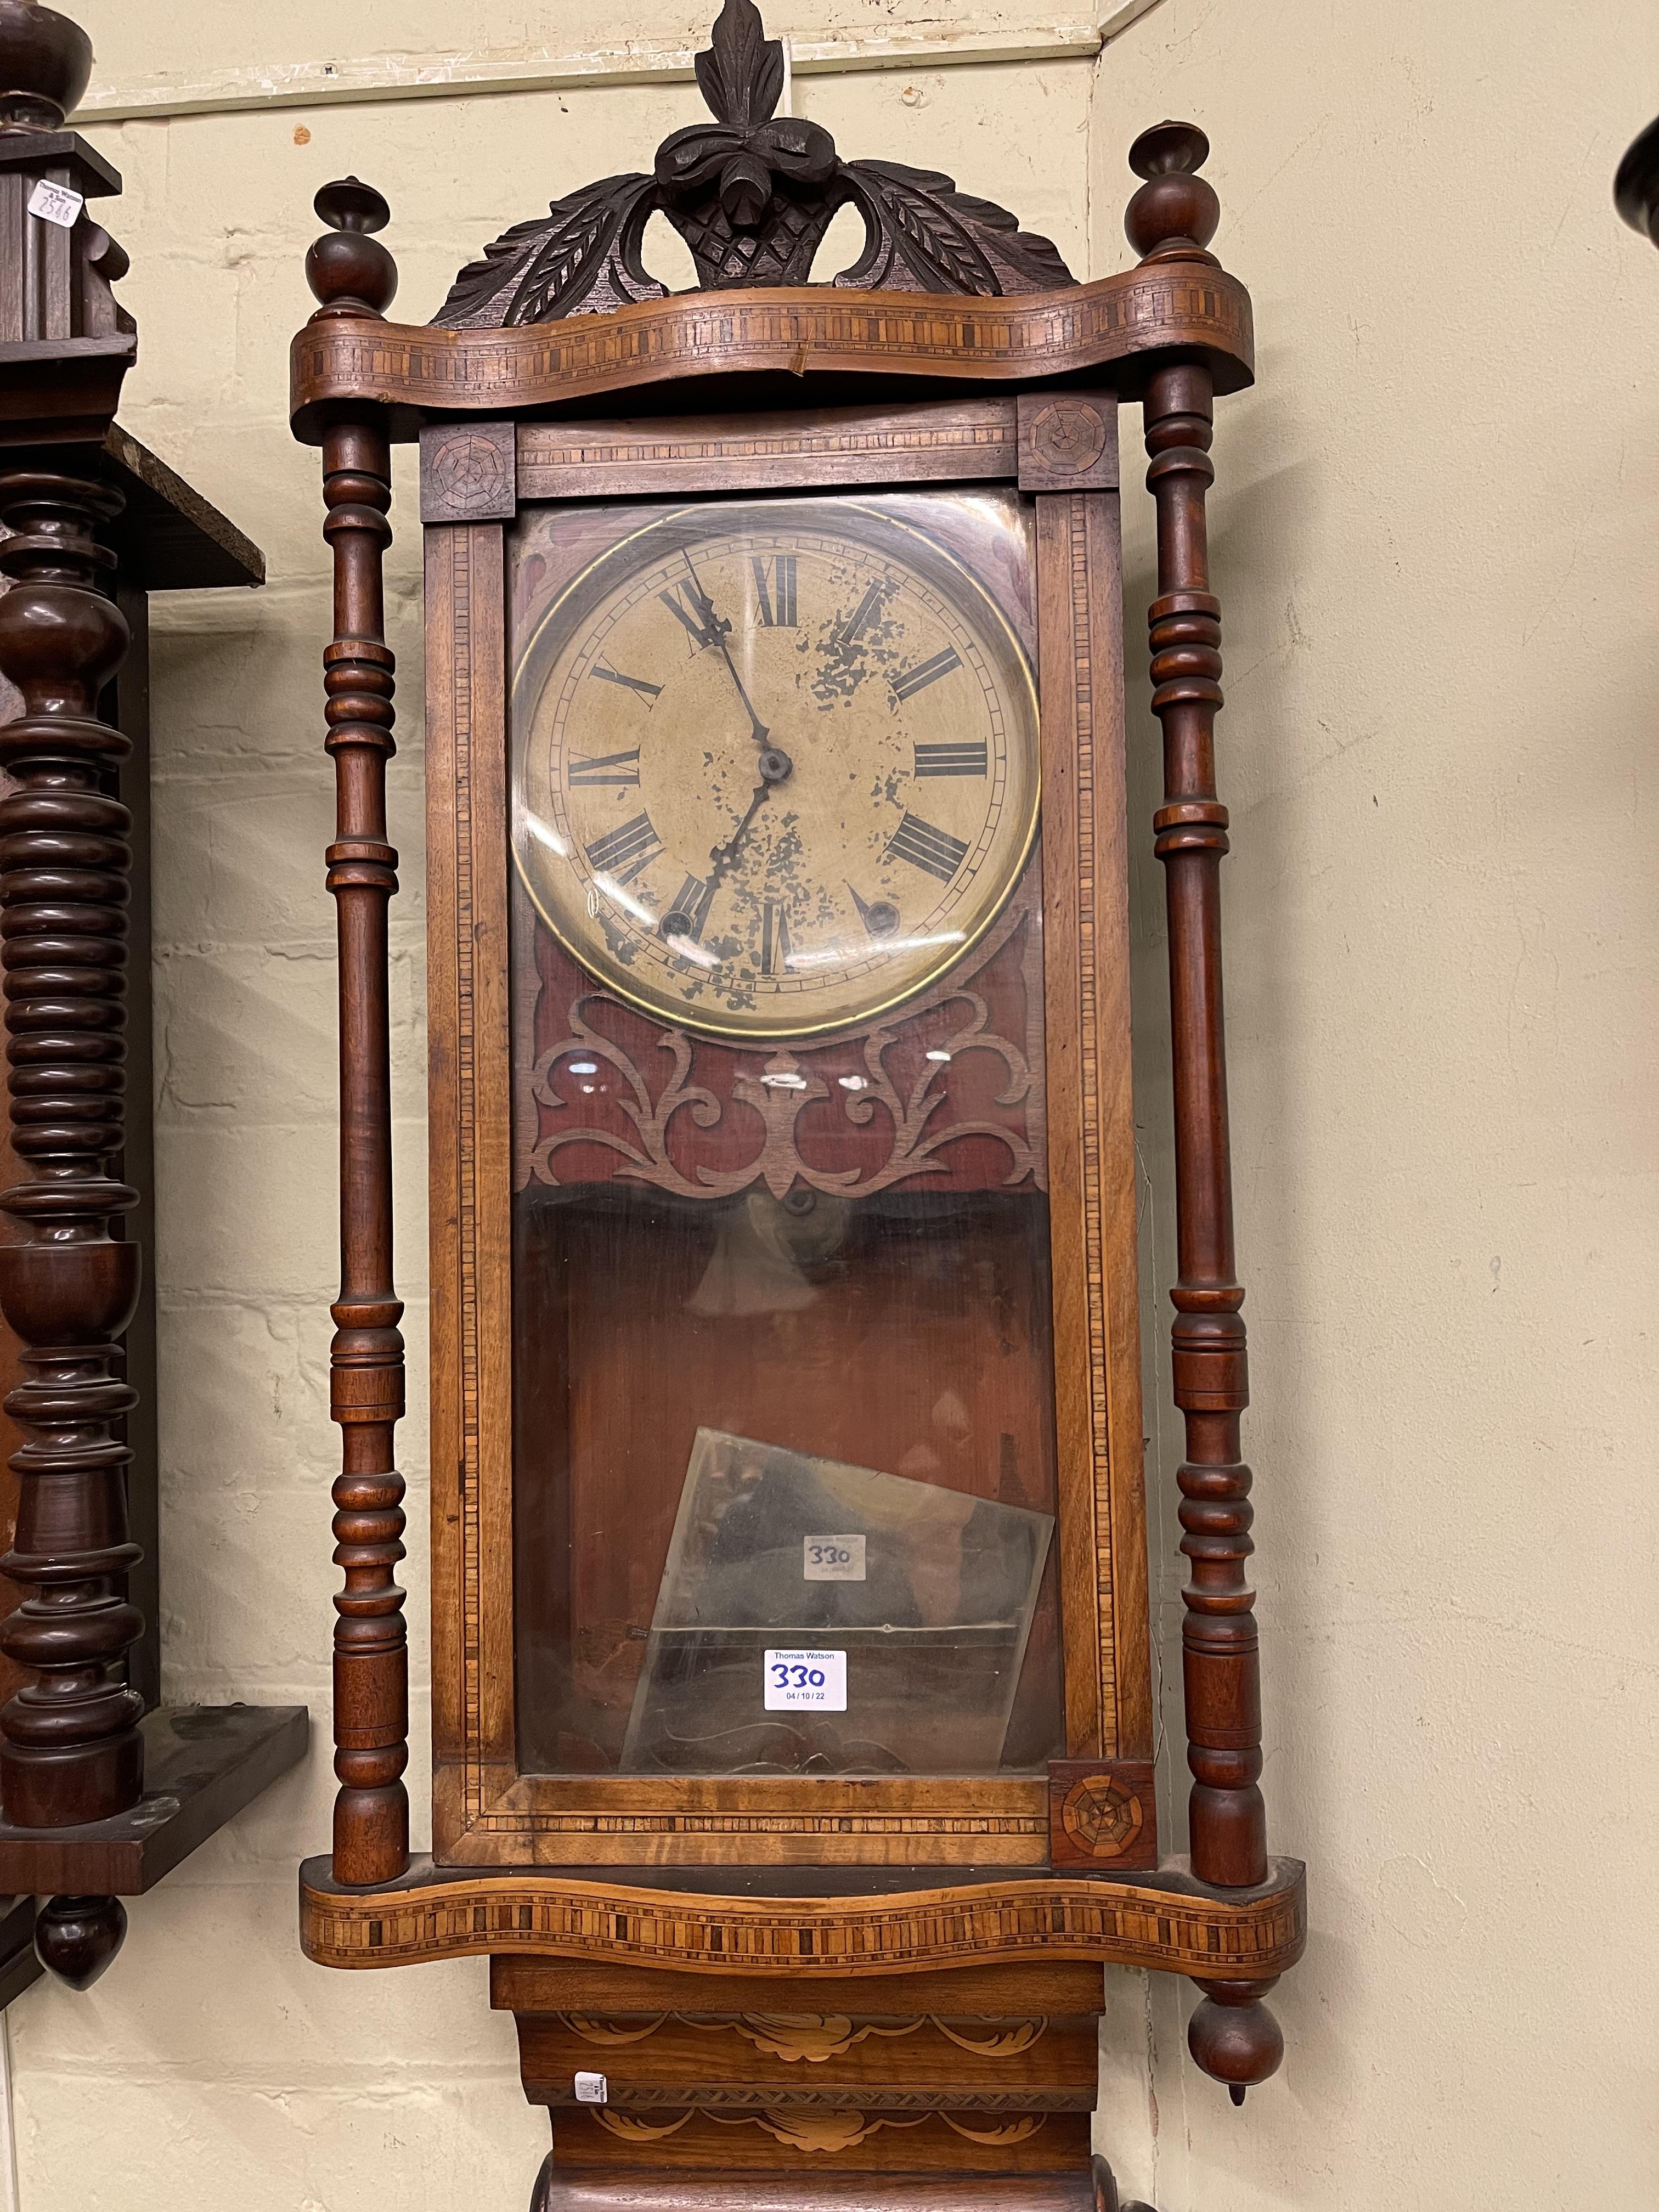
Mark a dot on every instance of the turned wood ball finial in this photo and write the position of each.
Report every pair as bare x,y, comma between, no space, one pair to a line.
45,64
348,269
1234,2037
1173,217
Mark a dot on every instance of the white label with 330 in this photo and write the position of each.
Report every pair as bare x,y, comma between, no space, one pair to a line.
813,1680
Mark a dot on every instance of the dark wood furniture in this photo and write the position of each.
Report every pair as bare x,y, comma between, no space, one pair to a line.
1635,187
102,1789
853,1976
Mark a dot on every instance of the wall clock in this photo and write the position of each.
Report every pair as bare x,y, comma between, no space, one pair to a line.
792,1728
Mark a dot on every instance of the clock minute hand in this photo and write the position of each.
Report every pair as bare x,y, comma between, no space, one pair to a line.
714,630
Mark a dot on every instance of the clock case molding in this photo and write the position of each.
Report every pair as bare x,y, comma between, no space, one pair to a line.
956,350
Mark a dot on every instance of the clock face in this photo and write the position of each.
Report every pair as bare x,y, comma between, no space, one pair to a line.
775,766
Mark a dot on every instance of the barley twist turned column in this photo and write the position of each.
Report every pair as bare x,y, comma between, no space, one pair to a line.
1232,2035
353,275
69,1746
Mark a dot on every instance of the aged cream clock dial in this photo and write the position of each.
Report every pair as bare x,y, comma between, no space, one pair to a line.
774,765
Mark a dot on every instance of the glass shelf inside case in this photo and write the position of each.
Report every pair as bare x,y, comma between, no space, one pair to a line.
820,1619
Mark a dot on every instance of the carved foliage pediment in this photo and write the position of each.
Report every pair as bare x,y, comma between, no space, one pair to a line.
752,194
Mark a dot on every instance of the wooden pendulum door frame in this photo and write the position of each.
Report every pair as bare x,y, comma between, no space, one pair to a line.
487,1811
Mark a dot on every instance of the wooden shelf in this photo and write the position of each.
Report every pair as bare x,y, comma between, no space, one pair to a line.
203,1765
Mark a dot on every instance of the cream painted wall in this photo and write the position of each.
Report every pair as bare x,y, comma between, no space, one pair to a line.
1437,542
139,42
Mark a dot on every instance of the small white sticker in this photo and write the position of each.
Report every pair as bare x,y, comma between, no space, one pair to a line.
815,1679
56,203
832,1558
591,2089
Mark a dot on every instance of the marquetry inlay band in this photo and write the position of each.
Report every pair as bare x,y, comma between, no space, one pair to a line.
1192,305
1167,1926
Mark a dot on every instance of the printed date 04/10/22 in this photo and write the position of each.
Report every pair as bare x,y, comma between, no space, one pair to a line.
814,1681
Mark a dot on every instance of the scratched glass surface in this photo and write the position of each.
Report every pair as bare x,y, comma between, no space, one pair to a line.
780,1217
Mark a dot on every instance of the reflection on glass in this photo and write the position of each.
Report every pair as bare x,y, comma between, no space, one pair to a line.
926,1593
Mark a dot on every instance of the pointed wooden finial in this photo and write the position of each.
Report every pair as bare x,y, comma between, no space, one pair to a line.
1173,217
348,269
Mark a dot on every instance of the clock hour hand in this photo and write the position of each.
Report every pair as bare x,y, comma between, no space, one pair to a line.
682,919
723,855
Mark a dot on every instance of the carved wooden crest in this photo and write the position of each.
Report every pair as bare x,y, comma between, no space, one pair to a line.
752,194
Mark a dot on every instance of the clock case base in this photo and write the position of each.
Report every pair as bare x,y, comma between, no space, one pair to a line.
900,2048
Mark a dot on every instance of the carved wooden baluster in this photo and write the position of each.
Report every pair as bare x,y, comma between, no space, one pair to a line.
1232,2035
69,1746
352,275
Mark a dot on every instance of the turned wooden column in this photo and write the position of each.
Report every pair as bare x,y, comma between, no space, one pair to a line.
69,1746
353,275
1172,217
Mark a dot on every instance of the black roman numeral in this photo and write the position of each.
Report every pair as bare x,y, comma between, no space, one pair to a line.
928,671
863,614
687,914
775,939
627,852
581,773
953,760
936,851
689,604
777,603
631,683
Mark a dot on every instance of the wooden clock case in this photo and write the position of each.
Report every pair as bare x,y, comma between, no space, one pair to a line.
105,1787
873,1990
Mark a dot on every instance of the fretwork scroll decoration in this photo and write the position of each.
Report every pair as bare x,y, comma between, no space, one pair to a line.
891,1110
752,193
